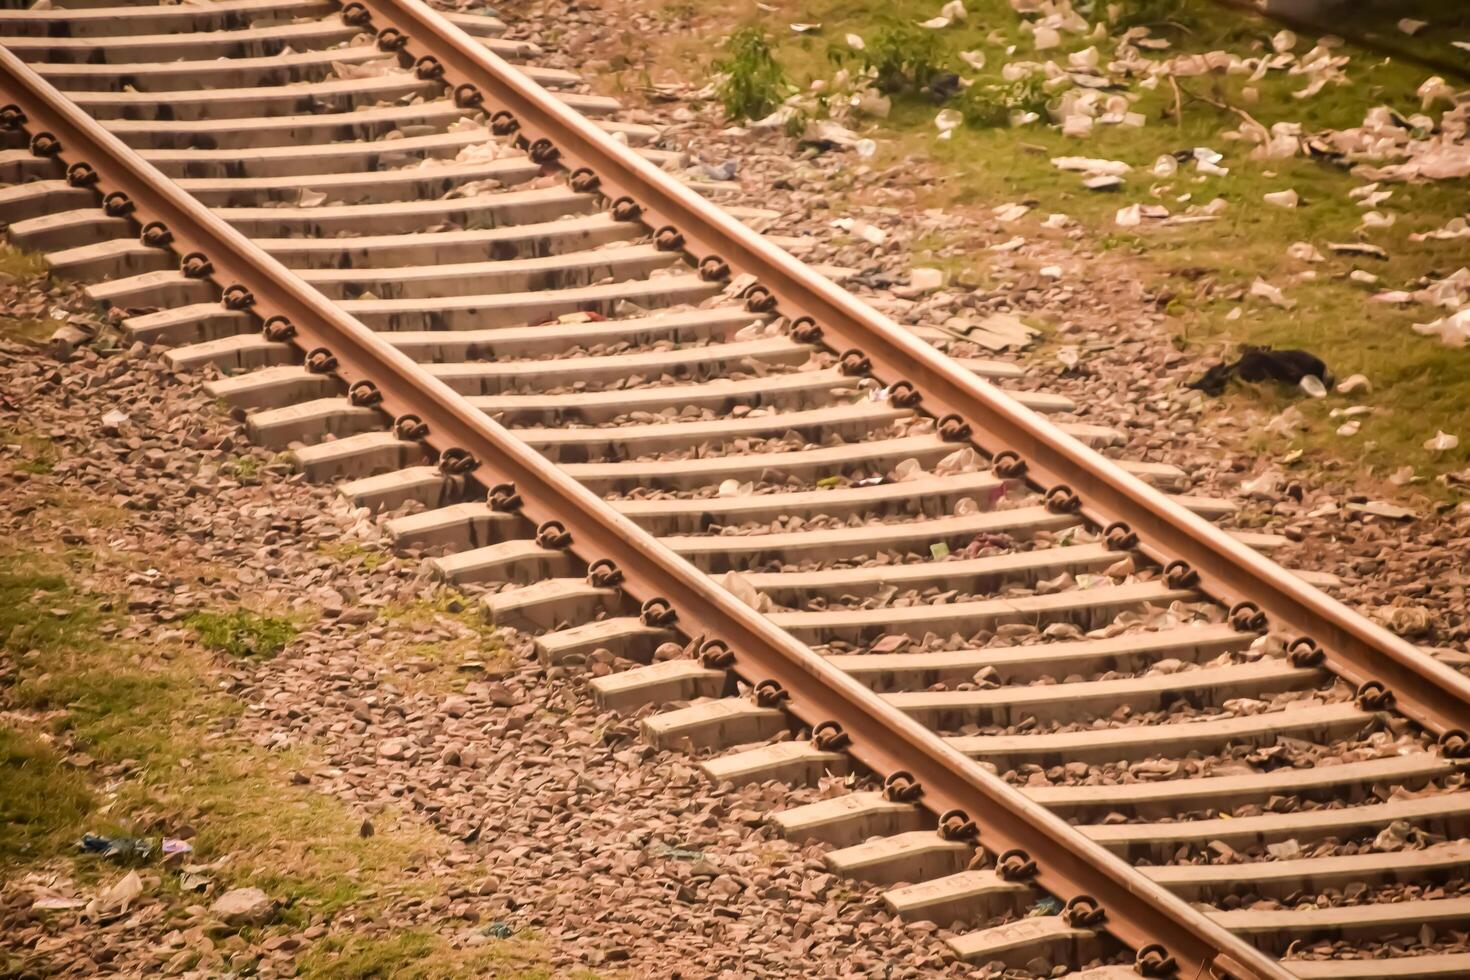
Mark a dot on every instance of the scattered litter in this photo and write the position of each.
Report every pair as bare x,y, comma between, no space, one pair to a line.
1366,278
975,59
964,460
1045,906
1010,212
947,121
1456,228
806,28
1009,245
858,228
53,903
1305,252
1312,385
1207,161
1442,442
1453,331
1377,219
1357,248
1103,182
921,277
739,586
1354,382
1410,26
1349,428
125,849
1402,476
1379,508
1091,166
1262,289
116,898
855,42
908,470
1283,199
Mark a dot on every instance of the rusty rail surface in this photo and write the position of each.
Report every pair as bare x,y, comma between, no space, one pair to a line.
1355,648
883,739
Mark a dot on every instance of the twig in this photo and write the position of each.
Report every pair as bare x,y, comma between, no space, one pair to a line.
1178,102
1222,105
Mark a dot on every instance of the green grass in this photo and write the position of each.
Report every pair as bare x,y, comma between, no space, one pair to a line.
23,268
44,805
416,954
350,552
242,633
437,666
37,454
1419,386
153,718
244,468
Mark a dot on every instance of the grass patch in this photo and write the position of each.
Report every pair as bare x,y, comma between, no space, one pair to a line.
37,455
43,804
469,638
752,85
242,633
153,718
416,954
23,267
246,469
352,553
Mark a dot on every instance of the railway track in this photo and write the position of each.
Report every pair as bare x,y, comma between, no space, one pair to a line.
1086,729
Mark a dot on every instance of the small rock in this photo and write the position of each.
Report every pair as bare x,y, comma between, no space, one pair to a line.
243,907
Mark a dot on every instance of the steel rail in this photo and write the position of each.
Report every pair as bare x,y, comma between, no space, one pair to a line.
1362,652
1138,912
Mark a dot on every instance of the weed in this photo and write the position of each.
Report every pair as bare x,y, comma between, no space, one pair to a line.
351,552
752,83
19,264
902,57
242,633
245,468
991,106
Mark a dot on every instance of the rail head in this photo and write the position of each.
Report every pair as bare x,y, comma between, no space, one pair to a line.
882,738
